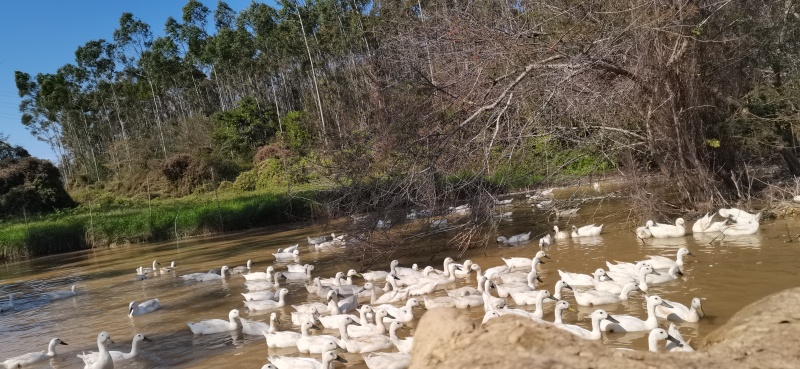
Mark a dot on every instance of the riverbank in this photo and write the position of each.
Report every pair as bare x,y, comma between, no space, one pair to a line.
149,221
764,334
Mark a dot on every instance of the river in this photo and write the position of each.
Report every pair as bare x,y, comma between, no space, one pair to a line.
727,272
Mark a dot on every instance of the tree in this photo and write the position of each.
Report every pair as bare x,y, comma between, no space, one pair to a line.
29,185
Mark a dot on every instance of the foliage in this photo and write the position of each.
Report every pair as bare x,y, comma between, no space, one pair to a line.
29,185
243,129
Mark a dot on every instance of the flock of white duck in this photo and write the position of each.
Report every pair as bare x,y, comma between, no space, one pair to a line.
361,313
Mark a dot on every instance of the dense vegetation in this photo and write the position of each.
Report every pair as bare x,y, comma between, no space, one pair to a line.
29,185
420,103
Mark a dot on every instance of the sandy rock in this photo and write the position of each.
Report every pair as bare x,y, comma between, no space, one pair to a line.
765,334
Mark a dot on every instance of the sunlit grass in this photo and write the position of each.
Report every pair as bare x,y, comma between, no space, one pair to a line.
144,222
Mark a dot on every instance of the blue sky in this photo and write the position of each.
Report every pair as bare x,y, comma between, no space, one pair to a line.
39,36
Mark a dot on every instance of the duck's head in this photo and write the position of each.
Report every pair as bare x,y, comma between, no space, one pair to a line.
680,222
601,314
330,356
656,301
698,305
140,337
233,314
562,284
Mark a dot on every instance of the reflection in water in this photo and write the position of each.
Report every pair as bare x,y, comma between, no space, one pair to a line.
588,242
670,244
729,272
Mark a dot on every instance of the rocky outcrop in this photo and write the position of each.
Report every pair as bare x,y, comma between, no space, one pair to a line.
765,334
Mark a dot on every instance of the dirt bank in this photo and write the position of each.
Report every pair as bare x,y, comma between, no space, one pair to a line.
765,334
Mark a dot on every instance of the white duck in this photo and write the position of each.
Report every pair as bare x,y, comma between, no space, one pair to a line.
204,277
309,315
169,268
438,302
290,248
308,344
463,270
215,325
537,314
366,329
670,276
300,276
560,235
595,297
616,287
658,334
34,357
287,255
360,345
255,286
403,345
661,230
154,269
644,232
469,290
149,306
319,240
503,290
515,239
259,305
587,231
377,275
291,362
583,280
103,359
282,339
525,263
387,360
682,345
706,224
260,276
253,327
403,314
242,269
739,215
420,289
395,295
680,312
561,305
627,323
259,295
662,262
598,316
545,242
118,355
57,295
7,306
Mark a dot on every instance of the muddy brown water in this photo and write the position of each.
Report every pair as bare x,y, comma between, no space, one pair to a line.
728,273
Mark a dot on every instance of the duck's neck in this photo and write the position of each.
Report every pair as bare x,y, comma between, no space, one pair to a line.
381,328
532,280
595,334
539,313
652,343
343,333
333,308
651,315
101,346
51,349
625,291
134,349
558,319
373,298
304,330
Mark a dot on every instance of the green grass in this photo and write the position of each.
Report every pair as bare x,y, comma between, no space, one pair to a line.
135,221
